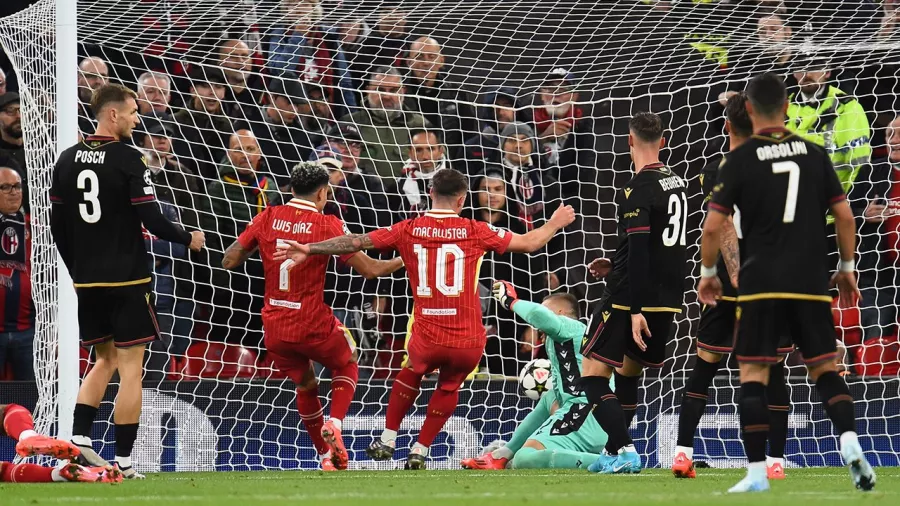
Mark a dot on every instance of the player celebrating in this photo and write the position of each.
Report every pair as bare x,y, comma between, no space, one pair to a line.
644,291
299,326
559,433
715,335
783,186
17,423
442,253
101,194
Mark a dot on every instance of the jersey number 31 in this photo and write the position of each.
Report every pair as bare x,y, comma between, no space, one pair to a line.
677,229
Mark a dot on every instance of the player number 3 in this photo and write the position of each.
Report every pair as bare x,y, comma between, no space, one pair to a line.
449,257
90,209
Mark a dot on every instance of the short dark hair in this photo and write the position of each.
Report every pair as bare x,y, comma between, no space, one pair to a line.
767,93
646,126
308,177
110,94
437,133
568,298
736,112
449,183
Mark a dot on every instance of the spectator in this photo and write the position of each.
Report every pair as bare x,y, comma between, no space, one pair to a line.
499,109
12,143
92,74
243,87
313,52
385,125
442,103
2,82
17,338
203,129
353,33
154,100
426,157
769,53
825,115
875,199
277,126
241,193
315,113
387,44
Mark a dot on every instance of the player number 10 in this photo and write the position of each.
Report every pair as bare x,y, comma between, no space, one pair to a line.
449,256
790,201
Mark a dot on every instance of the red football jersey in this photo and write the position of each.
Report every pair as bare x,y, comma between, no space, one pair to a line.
442,253
295,308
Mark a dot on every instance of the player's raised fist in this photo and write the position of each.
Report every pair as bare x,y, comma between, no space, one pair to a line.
600,267
563,216
292,250
505,293
198,240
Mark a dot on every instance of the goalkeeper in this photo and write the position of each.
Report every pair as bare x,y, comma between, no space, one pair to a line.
560,432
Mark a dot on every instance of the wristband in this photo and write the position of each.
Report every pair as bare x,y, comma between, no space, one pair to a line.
708,272
846,266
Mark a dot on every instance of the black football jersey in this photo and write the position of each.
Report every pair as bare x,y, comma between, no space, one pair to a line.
783,186
654,202
708,179
95,186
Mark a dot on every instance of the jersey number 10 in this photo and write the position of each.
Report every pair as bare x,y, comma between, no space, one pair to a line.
450,257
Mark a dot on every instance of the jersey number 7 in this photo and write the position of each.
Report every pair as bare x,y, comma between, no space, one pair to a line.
449,258
790,202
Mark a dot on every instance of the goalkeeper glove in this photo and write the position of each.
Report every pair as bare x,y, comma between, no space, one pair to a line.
505,293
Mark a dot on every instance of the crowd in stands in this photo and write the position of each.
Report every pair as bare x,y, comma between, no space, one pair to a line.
379,109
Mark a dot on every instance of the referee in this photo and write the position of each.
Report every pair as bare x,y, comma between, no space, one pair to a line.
100,195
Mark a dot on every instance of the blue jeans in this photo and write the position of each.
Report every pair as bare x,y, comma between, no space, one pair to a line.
18,348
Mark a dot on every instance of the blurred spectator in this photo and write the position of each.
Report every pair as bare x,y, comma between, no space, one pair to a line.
499,109
2,82
281,134
315,113
827,116
875,198
426,157
12,143
241,193
243,87
203,129
385,125
92,74
386,45
890,19
312,52
17,338
154,95
769,52
174,182
352,33
442,102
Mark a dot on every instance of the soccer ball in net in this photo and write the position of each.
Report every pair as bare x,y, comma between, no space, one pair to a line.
535,378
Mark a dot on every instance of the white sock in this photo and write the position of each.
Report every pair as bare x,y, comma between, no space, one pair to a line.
124,462
627,449
388,437
757,471
55,476
325,456
502,453
849,439
27,434
82,441
688,451
336,422
770,461
420,449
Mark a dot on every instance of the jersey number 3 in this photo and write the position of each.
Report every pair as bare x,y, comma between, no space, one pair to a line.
450,257
90,209
677,229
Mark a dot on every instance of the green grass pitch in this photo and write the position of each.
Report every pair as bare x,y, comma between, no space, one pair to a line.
470,488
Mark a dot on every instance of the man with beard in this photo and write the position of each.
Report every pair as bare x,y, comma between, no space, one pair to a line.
243,87
202,127
499,108
12,145
385,125
93,73
426,157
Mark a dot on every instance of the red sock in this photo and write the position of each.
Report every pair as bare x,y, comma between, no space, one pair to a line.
310,409
403,395
17,420
440,409
343,386
25,473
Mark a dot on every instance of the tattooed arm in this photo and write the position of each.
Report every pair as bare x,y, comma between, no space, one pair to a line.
235,255
730,252
339,245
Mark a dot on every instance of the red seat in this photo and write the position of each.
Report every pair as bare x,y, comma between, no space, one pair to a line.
847,324
879,357
219,360
6,372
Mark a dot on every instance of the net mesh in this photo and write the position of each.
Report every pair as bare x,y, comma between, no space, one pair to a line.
297,74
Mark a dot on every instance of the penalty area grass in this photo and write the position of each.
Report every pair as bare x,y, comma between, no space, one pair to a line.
469,488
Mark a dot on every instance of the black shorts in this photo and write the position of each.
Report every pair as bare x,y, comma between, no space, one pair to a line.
716,332
120,313
809,323
609,337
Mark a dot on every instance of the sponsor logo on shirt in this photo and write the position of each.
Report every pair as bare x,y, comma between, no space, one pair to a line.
439,312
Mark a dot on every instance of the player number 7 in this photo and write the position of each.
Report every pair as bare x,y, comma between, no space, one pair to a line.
790,202
284,271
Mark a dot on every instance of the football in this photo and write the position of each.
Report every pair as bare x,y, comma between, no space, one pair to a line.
535,379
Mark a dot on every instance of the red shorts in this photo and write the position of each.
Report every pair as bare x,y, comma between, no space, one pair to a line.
293,358
454,364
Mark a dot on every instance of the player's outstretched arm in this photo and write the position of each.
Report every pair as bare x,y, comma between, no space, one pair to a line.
235,255
371,268
158,225
710,287
556,327
539,237
845,277
340,245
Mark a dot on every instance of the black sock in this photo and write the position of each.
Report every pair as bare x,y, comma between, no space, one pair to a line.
627,393
779,409
754,420
607,411
837,400
83,420
693,401
125,435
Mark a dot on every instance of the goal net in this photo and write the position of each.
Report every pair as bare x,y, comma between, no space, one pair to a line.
531,100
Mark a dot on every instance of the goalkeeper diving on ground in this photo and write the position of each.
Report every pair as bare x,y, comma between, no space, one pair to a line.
560,433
